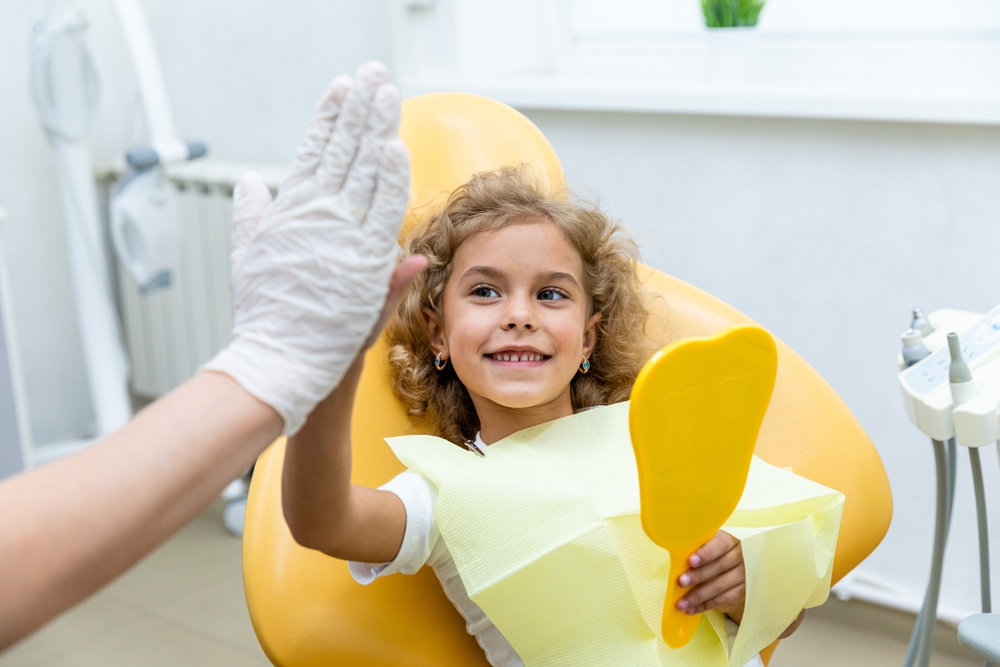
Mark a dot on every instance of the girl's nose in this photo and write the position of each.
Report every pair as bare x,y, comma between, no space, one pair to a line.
519,315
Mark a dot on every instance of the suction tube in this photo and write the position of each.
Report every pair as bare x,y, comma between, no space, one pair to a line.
919,650
952,468
984,539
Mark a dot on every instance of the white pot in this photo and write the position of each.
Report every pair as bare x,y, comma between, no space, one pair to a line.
732,53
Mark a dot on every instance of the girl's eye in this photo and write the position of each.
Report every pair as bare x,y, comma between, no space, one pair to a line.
484,292
550,295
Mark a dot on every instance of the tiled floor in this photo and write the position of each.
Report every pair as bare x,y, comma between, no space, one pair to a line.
184,606
858,635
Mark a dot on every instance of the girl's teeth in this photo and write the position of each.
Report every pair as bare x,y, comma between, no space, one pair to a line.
516,357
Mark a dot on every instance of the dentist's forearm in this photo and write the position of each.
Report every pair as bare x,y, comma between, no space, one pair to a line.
70,527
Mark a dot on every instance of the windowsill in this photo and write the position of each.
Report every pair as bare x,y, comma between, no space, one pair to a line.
728,99
916,78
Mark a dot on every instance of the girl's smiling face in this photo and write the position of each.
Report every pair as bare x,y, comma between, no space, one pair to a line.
516,322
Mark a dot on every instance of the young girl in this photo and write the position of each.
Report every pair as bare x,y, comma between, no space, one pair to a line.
529,311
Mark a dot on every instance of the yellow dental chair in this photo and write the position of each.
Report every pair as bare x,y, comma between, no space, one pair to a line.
306,609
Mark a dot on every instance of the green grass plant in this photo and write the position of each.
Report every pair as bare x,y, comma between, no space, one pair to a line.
731,13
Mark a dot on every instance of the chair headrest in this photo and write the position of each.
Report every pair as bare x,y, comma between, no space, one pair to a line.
452,136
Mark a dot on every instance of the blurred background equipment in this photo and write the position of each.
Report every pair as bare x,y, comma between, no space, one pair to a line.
955,406
15,426
144,212
173,329
168,223
66,92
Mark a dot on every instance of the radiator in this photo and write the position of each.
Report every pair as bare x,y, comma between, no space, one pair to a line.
170,332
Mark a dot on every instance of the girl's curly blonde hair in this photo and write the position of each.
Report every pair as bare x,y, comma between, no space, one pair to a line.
491,201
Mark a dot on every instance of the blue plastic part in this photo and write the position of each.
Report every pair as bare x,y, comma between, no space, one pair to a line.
980,633
196,149
161,280
142,158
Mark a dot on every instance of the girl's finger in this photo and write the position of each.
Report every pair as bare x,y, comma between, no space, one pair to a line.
726,600
727,561
713,587
714,548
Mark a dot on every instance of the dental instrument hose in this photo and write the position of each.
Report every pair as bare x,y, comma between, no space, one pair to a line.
952,467
67,121
962,389
984,541
918,652
930,615
921,640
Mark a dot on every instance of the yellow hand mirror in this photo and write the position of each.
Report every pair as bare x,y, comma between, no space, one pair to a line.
696,409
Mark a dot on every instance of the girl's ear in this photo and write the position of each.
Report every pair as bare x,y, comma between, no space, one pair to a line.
435,333
590,334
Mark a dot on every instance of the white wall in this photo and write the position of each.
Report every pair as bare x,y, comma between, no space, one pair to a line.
827,233
243,77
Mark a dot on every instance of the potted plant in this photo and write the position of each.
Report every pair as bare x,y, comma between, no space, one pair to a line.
731,38
731,13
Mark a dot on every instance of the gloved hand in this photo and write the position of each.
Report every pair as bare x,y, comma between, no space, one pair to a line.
311,270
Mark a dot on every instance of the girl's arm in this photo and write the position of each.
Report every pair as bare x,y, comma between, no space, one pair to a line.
324,511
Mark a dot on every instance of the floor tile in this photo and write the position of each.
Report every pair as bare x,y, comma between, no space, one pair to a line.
197,558
822,643
151,643
219,612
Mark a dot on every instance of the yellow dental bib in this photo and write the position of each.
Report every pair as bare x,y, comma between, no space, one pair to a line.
546,535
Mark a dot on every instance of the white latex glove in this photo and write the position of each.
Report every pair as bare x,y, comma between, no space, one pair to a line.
311,270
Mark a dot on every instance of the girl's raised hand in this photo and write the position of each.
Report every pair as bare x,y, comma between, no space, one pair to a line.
717,578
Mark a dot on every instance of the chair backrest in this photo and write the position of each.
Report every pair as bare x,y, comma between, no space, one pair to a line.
306,609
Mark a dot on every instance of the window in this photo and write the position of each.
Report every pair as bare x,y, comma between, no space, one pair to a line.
928,60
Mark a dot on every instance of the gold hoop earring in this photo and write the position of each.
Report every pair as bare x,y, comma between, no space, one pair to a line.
585,366
439,363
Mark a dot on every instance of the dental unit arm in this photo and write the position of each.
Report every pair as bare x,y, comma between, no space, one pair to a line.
145,218
950,381
164,144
